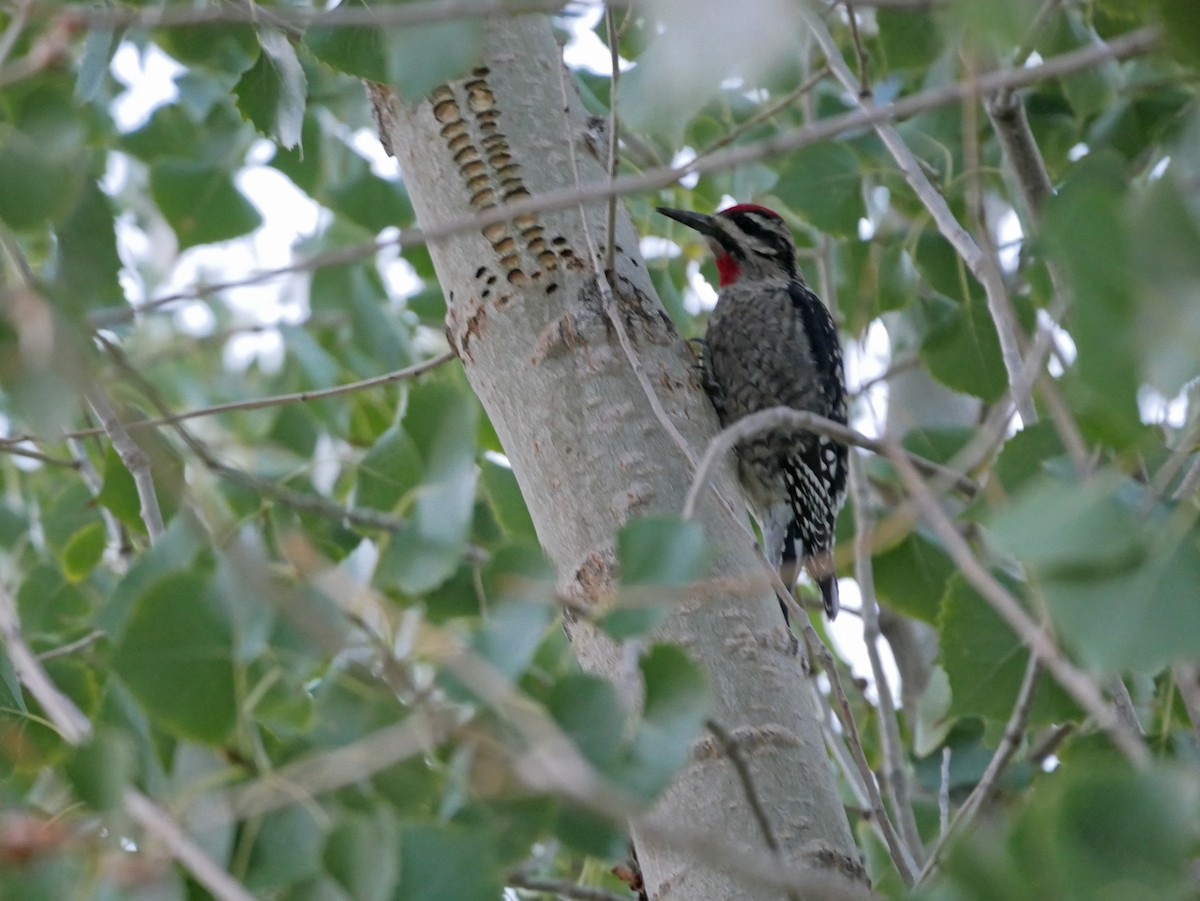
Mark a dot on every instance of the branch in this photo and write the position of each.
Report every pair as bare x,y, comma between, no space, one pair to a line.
879,815
896,784
60,710
132,456
562,887
1007,327
801,420
733,754
1014,731
158,825
1076,682
1132,44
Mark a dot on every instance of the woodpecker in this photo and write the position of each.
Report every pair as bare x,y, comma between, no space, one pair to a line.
771,342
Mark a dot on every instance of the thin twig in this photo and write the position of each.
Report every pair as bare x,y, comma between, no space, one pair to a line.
132,456
879,814
612,304
380,16
896,784
860,54
60,710
1076,682
733,754
999,305
158,825
1187,682
831,127
72,647
944,793
1014,732
801,420
610,24
259,403
16,25
564,888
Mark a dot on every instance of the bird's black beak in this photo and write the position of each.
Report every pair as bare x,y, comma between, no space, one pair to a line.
698,221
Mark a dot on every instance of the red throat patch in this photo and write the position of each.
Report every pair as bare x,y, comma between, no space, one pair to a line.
728,269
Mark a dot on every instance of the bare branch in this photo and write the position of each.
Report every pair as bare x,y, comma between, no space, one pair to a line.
60,710
786,417
1014,732
733,754
1132,44
563,888
1076,682
879,815
160,827
1007,326
896,784
132,456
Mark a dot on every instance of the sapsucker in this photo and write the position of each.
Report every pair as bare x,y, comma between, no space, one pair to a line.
771,342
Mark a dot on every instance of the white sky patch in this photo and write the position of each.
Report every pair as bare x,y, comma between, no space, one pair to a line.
1010,237
682,157
1078,152
1063,342
1157,409
847,634
1159,169
867,360
584,48
398,273
149,79
656,247
368,145
700,294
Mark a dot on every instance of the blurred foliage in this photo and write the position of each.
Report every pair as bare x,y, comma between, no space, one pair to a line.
366,562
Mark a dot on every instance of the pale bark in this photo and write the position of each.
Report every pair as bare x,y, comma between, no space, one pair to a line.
528,319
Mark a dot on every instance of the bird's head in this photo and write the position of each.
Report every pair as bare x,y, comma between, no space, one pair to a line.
748,240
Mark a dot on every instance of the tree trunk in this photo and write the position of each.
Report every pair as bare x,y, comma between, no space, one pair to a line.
528,319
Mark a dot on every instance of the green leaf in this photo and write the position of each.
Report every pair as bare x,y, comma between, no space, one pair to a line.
287,850
83,551
1165,232
1084,230
823,183
228,48
588,710
674,709
1064,528
176,656
358,854
1181,29
87,262
36,183
504,494
1096,831
1025,455
441,419
271,93
962,350
420,57
389,471
100,770
661,550
511,634
1140,618
445,863
910,37
911,576
985,662
201,203
358,50
374,203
